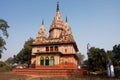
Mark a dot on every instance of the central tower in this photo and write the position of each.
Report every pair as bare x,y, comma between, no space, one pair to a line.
57,25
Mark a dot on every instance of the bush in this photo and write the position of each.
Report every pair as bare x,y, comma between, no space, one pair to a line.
117,71
4,67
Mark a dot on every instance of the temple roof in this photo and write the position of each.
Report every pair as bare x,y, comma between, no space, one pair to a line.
59,33
57,21
41,33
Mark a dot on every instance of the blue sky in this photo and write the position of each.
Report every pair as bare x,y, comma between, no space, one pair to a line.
92,21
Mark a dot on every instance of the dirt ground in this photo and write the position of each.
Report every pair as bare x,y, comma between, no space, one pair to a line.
12,76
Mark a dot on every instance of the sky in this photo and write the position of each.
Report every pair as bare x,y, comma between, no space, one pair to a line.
96,22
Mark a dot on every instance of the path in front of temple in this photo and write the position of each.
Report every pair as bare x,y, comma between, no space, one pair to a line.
12,76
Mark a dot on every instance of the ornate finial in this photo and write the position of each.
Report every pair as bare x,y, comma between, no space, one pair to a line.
66,19
57,6
42,22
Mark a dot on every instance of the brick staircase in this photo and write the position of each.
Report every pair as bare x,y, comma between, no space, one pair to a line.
57,70
50,72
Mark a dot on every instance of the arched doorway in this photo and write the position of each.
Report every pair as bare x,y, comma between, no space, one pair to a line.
47,61
52,60
41,61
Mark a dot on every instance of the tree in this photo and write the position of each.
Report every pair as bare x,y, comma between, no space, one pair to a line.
116,55
10,61
80,58
85,63
3,27
4,67
110,55
97,59
24,56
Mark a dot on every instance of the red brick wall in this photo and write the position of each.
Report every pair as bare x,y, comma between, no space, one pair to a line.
51,72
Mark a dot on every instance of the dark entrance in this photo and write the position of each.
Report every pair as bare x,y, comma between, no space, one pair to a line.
41,61
46,61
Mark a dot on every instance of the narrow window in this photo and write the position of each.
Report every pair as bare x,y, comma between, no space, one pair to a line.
65,50
41,61
51,48
46,61
56,48
47,48
52,60
37,50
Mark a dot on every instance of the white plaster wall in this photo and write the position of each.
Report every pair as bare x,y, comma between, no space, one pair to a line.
70,49
35,49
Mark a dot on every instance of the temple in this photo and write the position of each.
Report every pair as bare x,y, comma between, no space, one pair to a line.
58,48
55,54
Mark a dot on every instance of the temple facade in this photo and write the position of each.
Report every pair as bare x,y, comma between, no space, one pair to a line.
58,48
55,54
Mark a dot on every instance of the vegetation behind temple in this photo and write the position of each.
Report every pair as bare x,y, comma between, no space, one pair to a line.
24,56
96,57
3,35
3,28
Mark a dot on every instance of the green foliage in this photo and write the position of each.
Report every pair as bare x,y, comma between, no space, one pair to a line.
116,55
80,58
3,27
97,59
10,61
4,67
85,62
117,71
24,56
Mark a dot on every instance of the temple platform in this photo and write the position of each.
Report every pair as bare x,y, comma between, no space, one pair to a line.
57,70
50,72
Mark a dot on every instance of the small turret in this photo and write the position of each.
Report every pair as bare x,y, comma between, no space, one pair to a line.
41,34
42,31
68,32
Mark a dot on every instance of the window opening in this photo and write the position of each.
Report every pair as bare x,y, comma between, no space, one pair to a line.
56,48
46,61
41,61
51,48
47,48
52,60
65,50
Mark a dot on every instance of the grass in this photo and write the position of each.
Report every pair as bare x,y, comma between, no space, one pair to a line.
12,76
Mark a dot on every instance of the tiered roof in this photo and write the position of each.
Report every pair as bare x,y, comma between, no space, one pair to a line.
57,23
41,34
